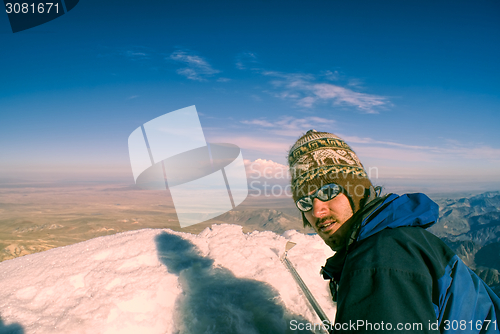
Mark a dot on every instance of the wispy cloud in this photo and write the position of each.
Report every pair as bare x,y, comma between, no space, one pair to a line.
475,153
265,145
137,53
277,133
306,91
386,154
267,138
245,59
366,140
329,75
289,126
132,54
260,122
196,67
460,154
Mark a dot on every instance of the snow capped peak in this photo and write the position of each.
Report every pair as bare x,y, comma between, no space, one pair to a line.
154,281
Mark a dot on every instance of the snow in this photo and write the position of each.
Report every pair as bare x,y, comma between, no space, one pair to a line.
161,281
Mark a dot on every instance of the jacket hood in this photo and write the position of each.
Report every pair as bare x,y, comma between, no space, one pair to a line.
396,211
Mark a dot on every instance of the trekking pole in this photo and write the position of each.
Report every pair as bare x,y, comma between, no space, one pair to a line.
317,308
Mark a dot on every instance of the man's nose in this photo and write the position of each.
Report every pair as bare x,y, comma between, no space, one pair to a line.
320,208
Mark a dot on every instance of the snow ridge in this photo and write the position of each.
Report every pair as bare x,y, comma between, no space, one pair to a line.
161,281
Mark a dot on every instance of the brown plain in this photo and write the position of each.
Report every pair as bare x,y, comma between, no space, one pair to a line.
38,217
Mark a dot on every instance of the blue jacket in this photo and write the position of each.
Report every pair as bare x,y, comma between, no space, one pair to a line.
395,276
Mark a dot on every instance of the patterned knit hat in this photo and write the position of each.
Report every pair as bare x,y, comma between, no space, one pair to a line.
320,158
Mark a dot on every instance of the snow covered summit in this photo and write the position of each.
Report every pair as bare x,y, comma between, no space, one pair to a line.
161,281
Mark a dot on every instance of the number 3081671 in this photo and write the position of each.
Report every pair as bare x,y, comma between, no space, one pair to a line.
25,8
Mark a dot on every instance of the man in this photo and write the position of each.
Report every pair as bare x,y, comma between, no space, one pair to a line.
388,272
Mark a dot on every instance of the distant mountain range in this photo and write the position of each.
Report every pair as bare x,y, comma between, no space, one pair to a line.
275,220
475,218
471,227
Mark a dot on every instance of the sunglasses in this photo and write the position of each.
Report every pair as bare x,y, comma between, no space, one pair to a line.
325,193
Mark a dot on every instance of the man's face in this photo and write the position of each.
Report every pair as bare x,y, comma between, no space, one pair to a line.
328,218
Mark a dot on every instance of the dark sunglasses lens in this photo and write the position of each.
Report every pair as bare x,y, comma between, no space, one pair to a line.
328,192
304,204
323,194
335,190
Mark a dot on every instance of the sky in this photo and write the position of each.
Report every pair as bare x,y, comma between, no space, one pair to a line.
413,87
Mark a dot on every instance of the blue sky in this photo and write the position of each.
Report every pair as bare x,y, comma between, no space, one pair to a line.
413,86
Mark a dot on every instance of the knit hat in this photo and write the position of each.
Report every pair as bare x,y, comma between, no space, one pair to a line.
320,158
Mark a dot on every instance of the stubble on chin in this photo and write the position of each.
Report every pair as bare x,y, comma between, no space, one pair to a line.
338,239
335,243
